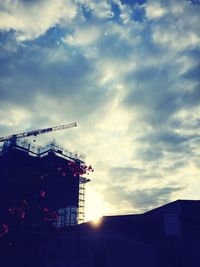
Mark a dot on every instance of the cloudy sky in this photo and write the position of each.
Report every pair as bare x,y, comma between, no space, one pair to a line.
128,72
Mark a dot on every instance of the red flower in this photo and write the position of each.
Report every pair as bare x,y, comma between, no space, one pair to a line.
45,210
4,229
42,194
17,211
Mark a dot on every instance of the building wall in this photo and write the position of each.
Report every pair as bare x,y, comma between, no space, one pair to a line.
96,250
24,176
61,186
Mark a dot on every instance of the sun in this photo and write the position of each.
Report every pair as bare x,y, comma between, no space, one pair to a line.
96,222
95,206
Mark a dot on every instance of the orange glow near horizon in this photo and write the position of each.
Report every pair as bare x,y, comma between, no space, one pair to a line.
96,222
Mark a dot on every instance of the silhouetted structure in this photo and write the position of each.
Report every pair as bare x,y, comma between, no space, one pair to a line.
44,176
168,236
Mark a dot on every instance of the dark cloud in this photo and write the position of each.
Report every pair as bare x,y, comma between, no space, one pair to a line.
168,139
176,166
151,153
144,199
152,197
160,142
153,94
32,71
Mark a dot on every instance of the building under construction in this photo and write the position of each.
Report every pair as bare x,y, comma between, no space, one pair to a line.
47,177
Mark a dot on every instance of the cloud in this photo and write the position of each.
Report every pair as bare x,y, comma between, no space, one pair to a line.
31,19
100,9
118,69
167,38
153,197
81,38
140,199
155,10
124,171
181,20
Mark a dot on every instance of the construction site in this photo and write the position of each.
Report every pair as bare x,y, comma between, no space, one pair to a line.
42,200
43,175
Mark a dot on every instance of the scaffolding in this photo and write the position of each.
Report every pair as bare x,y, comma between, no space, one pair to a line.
81,204
41,151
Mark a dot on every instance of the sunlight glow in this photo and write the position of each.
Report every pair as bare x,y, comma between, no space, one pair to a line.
95,206
96,222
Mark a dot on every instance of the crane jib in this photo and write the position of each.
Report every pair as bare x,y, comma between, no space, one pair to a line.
37,132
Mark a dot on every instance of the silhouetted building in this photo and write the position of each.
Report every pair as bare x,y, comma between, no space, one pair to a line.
44,176
168,236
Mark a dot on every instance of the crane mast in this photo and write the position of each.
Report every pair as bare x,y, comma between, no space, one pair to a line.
37,132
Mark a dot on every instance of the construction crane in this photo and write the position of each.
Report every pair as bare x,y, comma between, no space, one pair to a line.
14,137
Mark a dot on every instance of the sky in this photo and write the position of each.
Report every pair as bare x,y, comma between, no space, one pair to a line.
128,72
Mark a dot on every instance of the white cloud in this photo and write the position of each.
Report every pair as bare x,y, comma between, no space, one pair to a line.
101,9
15,117
33,19
175,39
154,9
176,27
84,36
